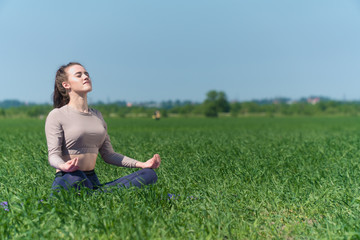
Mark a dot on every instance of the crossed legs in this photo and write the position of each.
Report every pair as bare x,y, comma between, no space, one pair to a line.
80,179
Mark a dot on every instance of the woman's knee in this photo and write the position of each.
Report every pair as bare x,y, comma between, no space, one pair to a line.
150,175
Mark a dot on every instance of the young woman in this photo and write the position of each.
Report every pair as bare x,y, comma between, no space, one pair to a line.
76,134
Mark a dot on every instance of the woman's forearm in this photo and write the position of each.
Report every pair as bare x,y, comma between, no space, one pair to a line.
55,161
121,161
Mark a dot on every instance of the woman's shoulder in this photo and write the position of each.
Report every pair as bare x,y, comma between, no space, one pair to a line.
55,113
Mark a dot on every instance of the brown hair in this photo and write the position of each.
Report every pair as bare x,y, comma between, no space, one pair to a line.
60,95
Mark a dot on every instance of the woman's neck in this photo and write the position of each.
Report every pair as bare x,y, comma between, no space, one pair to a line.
79,103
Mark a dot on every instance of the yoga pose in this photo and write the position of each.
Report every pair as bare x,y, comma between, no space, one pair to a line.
75,135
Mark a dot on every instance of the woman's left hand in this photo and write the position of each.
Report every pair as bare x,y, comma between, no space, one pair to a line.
153,162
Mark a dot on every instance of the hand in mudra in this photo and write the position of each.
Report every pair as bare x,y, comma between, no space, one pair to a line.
153,162
70,166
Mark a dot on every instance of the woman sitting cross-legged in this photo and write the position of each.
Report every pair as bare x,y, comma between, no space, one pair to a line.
76,134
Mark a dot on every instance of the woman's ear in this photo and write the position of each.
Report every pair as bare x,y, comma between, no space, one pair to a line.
66,85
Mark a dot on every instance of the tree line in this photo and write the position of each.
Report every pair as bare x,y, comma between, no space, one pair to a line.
215,104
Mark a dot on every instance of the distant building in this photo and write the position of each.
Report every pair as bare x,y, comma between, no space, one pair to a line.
313,101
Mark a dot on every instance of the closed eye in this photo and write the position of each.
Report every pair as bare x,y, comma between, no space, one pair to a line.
78,74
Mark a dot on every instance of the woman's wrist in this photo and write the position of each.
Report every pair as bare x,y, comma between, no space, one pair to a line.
139,164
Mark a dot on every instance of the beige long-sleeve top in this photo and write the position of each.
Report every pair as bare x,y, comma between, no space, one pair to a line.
71,132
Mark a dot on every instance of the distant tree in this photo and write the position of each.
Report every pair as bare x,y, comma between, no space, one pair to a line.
120,103
11,103
215,102
186,109
210,109
250,107
164,113
36,110
235,109
167,104
222,102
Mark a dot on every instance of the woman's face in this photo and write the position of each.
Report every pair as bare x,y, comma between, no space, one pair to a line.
78,80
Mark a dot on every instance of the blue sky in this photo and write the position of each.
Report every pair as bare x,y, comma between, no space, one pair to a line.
167,50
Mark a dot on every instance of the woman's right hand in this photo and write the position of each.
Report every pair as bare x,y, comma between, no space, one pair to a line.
70,166
153,162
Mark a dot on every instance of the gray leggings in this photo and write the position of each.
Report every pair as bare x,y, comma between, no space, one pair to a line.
88,179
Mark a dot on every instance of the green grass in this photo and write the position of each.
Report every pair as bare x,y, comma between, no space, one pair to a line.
244,178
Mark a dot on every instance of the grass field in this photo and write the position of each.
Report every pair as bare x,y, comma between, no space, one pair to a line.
244,178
